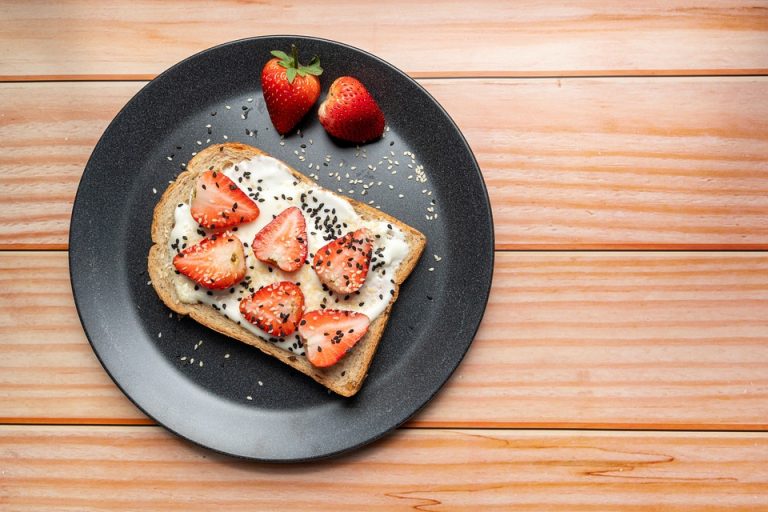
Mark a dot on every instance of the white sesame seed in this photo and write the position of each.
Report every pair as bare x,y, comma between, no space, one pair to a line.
431,269
339,190
199,142
261,383
227,107
159,335
192,361
207,126
394,172
183,358
201,364
194,153
249,100
154,190
225,137
437,258
353,168
149,283
207,141
169,158
351,191
226,356
249,397
391,187
400,196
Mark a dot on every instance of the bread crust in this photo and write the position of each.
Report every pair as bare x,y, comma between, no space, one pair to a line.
345,377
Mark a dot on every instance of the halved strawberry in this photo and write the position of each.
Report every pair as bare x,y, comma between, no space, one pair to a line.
218,203
328,334
350,113
283,242
215,262
275,309
342,264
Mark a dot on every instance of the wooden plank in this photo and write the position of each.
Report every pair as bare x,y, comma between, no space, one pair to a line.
141,38
146,468
593,340
583,163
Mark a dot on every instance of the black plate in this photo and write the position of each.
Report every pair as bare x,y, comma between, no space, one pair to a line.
289,417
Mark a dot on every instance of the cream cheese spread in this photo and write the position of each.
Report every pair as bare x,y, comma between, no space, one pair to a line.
274,188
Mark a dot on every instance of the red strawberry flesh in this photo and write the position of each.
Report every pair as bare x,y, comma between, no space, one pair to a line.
350,113
216,262
329,334
219,203
283,242
342,265
275,309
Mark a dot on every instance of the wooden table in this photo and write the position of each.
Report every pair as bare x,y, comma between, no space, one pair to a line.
622,363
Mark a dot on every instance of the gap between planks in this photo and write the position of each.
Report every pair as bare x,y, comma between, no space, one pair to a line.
692,428
440,75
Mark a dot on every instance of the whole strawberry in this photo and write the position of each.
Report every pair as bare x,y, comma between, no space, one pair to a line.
350,113
290,89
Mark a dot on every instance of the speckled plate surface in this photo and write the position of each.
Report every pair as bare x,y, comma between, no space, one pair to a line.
240,401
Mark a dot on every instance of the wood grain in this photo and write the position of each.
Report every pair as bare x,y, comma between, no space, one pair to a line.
677,163
140,38
146,468
594,340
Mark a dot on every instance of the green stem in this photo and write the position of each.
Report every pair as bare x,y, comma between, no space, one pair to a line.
295,56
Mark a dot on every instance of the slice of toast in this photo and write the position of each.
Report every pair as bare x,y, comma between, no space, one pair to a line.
346,376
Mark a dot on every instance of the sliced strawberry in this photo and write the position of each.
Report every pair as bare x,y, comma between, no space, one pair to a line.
283,242
328,334
275,309
342,264
215,262
218,203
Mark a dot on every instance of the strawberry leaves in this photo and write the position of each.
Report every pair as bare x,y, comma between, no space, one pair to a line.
293,67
